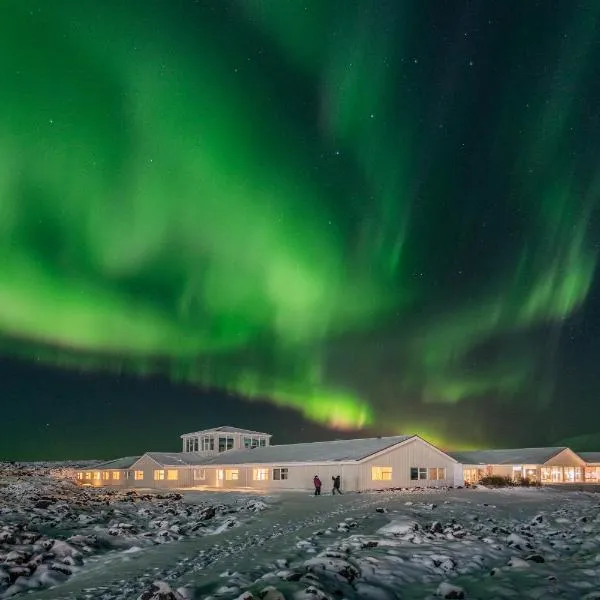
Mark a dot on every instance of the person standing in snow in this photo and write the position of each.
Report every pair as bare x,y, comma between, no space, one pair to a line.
336,485
317,483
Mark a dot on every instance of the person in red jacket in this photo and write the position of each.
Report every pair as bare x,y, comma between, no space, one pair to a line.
317,483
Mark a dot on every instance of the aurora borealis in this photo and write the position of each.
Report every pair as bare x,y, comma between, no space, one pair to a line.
382,215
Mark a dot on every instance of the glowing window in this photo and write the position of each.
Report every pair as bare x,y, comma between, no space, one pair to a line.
159,474
138,475
199,474
172,475
232,474
260,474
437,473
88,475
381,473
105,475
97,475
116,475
80,475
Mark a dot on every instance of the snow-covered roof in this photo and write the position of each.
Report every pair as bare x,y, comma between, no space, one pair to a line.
515,456
590,457
317,452
227,429
118,463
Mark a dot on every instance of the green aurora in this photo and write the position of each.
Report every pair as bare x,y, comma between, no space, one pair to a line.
242,197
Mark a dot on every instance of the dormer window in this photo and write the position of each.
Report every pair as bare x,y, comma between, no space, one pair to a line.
225,443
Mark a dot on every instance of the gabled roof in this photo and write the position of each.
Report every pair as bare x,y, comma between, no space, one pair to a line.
515,456
117,463
317,452
227,429
590,457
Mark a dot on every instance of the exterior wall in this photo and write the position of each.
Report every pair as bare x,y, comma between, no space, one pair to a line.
500,470
300,477
97,478
458,475
414,453
566,458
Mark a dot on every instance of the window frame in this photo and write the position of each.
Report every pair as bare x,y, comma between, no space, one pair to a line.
138,475
158,474
260,474
199,474
232,474
382,473
282,473
172,474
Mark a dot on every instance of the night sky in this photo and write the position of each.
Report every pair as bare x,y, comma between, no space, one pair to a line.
316,218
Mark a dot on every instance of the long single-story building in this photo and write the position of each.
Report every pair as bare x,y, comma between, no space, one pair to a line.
538,465
592,466
362,464
234,458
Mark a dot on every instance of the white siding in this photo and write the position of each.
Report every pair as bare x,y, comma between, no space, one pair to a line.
565,458
414,453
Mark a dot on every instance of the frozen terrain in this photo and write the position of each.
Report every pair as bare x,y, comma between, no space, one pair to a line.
516,543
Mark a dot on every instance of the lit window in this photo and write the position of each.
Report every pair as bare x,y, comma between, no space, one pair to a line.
280,473
79,475
220,474
105,475
116,475
159,475
199,474
172,474
138,475
437,473
381,473
97,475
88,475
260,474
232,474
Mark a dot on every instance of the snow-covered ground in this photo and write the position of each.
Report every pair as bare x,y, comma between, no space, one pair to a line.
516,543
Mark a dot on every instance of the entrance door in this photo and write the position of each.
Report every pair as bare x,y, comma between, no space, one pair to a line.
220,476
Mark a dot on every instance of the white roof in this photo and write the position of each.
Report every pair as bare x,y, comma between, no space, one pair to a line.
590,457
515,456
117,463
313,452
227,429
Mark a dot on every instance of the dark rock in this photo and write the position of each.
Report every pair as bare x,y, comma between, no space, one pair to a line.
537,558
436,527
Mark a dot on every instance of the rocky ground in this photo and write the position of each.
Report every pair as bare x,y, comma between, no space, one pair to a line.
50,527
61,541
473,544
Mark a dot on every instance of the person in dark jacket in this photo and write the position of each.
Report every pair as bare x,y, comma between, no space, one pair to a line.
317,483
336,485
